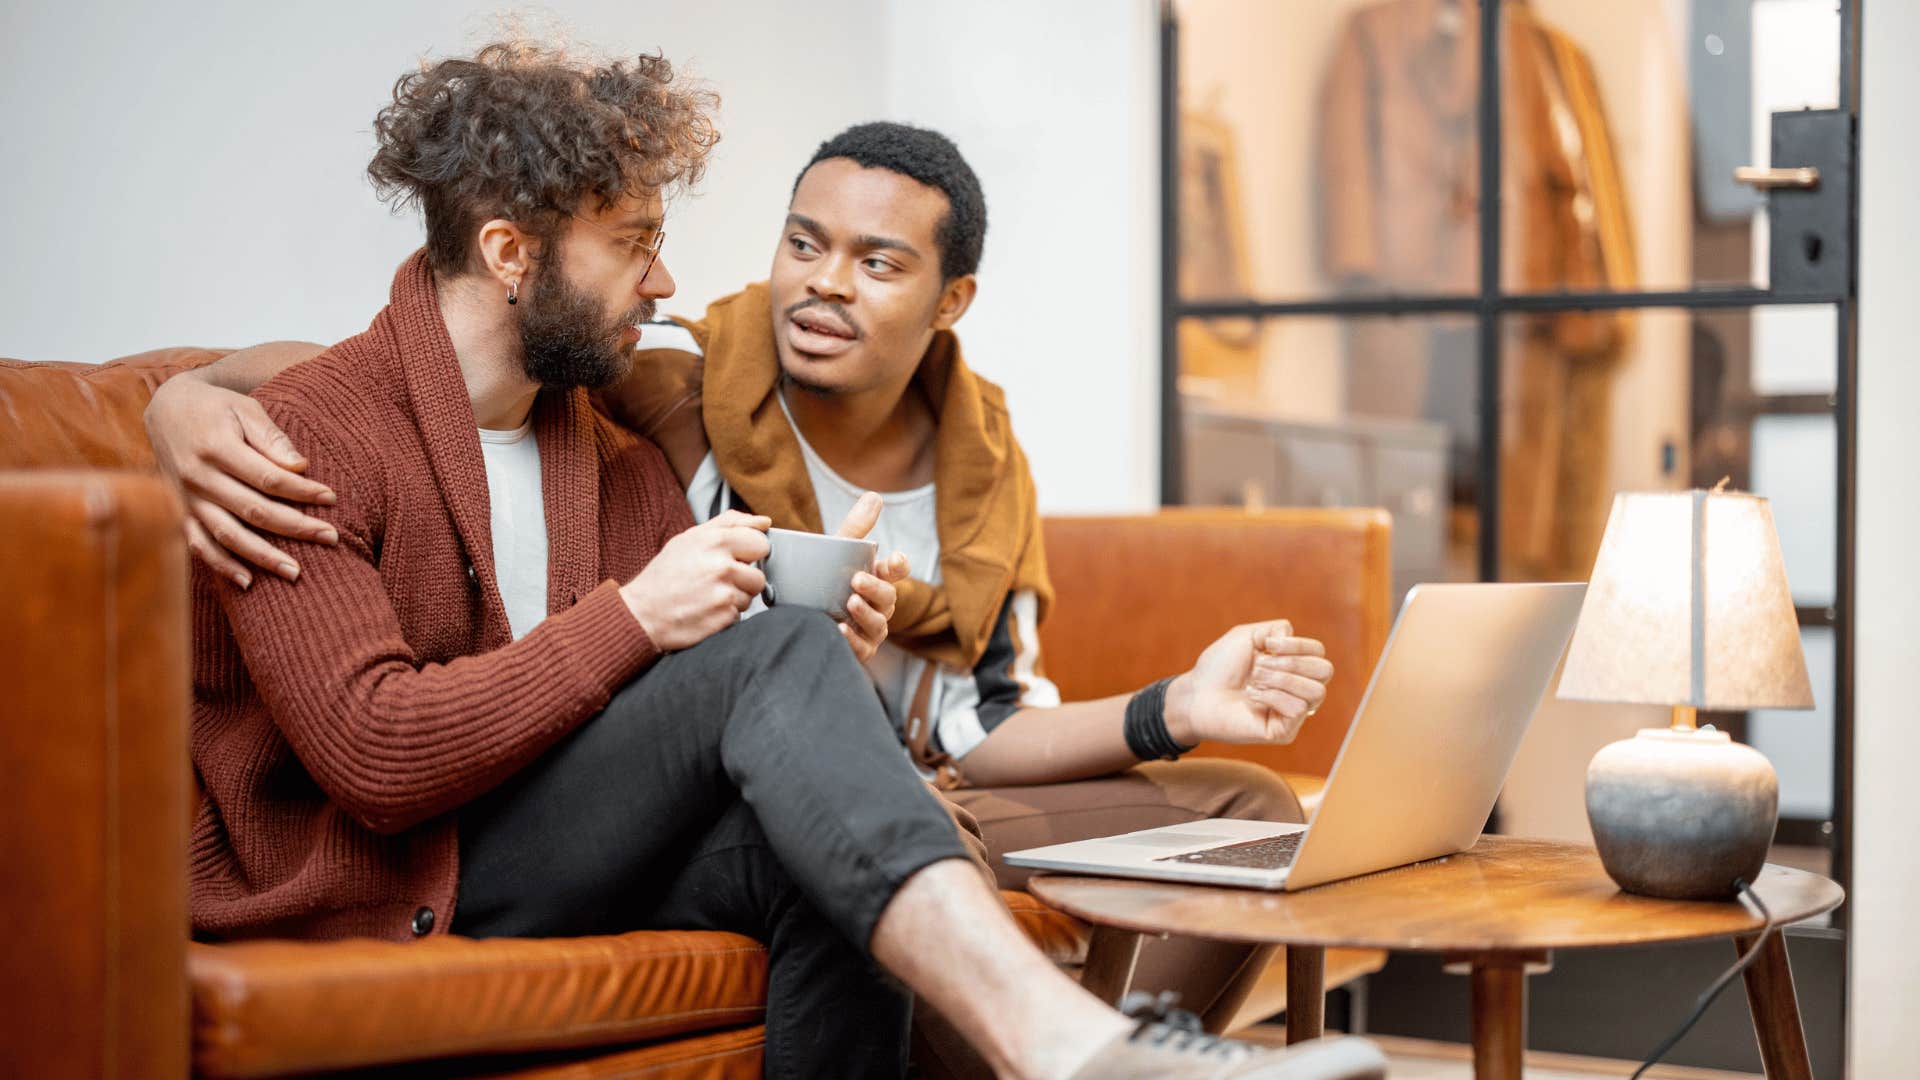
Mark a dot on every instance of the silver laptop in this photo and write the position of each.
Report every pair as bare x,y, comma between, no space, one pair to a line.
1463,672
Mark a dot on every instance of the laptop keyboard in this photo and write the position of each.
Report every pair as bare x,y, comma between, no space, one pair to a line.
1273,853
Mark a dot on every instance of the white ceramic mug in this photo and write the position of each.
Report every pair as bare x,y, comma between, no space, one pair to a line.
811,570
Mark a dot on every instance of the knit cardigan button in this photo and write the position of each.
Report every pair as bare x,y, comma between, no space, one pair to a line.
423,922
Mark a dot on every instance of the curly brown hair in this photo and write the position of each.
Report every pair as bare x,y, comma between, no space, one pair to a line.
526,132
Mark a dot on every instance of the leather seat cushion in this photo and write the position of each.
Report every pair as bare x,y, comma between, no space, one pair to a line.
735,1054
272,1008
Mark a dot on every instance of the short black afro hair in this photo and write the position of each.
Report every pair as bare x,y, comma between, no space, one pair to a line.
932,159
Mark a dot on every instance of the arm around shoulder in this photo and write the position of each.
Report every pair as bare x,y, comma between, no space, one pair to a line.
231,463
245,370
660,400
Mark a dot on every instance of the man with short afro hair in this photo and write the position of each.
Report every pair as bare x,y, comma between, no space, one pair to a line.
841,374
933,160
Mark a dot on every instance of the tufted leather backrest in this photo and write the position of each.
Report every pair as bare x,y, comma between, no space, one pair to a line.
1205,570
1327,570
85,415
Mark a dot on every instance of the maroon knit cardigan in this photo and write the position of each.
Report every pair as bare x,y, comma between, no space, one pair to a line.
340,719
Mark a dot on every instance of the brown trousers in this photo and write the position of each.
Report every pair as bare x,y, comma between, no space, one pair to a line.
1212,978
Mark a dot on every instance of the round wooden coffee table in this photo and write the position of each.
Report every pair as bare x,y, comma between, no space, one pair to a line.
1499,910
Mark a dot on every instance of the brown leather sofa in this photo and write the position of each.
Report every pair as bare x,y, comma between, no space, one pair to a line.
98,977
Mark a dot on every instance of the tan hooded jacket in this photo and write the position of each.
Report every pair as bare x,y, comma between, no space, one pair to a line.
986,508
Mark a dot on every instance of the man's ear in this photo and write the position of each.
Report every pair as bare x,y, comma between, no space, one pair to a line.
955,299
506,252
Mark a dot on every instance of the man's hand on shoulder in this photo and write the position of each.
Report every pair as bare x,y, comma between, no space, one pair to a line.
700,581
660,397
1256,683
229,461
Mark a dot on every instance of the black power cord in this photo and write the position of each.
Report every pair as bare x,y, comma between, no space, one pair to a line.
1719,984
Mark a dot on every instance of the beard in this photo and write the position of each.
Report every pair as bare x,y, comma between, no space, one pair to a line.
811,386
566,339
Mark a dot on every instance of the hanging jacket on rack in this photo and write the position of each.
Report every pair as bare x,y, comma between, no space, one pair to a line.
1398,153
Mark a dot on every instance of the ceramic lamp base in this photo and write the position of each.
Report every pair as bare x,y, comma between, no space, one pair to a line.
1681,814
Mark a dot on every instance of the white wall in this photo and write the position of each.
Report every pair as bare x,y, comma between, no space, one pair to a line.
193,174
1056,107
1884,997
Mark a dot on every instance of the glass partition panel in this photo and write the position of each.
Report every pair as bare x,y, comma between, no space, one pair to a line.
1330,148
1327,148
1321,411
1794,466
1800,743
1623,124
1594,403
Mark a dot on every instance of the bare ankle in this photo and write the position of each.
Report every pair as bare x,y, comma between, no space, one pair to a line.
951,939
1060,1048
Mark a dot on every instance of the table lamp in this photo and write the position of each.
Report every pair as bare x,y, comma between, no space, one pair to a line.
1688,607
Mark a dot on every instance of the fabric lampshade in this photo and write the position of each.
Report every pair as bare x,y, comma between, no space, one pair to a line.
1689,605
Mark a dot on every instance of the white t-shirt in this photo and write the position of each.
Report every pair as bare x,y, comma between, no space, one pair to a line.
965,705
908,525
519,514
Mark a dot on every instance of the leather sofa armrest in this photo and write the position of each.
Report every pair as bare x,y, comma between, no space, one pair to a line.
93,810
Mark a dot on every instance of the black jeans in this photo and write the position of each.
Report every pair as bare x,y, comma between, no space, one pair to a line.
752,784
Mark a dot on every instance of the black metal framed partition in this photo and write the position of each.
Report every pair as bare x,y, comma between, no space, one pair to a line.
1814,265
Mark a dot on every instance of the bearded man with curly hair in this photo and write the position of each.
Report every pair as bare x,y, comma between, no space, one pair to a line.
506,690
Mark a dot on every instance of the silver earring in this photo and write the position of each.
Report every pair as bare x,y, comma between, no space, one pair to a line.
513,293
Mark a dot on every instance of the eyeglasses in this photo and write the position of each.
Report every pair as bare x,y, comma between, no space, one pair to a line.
648,245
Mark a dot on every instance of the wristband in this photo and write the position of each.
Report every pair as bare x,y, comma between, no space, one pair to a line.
1146,725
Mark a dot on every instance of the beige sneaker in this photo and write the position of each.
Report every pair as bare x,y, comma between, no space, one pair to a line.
1174,1048
1186,1056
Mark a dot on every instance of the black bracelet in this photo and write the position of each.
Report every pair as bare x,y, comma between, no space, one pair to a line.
1146,725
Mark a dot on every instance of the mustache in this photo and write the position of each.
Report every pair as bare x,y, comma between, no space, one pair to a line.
828,305
639,313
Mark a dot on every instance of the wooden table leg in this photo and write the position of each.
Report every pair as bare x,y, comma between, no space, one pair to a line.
1499,1017
1776,1011
1499,1006
1306,992
1110,958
